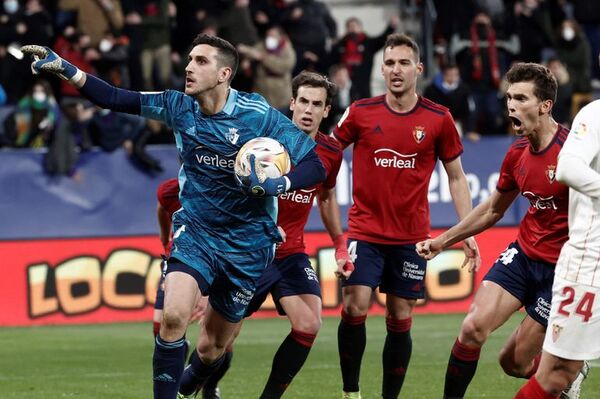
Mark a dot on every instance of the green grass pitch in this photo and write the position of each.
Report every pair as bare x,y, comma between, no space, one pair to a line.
114,361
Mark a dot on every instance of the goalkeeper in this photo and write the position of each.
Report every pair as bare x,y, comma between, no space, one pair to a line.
224,236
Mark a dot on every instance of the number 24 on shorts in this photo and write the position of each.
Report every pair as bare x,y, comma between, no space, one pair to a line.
584,306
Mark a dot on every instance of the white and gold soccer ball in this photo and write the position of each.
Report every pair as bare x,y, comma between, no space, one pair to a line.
272,159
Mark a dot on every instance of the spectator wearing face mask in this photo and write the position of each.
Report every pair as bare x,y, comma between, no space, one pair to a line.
36,116
573,50
275,59
448,90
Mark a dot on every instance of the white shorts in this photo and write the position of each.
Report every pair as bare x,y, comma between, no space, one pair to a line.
574,322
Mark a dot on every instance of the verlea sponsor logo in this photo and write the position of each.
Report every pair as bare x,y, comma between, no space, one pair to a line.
392,159
299,196
214,159
540,202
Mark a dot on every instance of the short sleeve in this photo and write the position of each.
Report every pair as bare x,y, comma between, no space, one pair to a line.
448,145
336,162
506,180
345,131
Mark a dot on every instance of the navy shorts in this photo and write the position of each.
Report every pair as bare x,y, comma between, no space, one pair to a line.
228,278
395,269
527,280
292,275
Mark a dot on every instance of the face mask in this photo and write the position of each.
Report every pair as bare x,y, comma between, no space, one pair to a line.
450,86
568,33
39,96
11,7
271,43
105,45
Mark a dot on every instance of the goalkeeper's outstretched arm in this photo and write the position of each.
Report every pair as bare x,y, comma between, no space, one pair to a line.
96,90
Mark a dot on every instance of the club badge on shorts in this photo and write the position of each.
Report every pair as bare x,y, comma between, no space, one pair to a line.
556,330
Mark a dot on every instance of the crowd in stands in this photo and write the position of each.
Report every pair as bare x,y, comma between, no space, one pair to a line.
143,45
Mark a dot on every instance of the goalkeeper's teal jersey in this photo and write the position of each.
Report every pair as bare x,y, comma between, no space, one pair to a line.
213,208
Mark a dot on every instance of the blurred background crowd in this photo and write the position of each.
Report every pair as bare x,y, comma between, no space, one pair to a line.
468,45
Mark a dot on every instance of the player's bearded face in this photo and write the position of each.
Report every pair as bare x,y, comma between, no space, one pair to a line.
524,108
201,72
400,69
309,108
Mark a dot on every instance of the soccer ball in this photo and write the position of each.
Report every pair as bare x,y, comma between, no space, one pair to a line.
272,159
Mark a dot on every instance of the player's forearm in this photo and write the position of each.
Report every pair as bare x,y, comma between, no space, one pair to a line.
107,96
308,172
330,214
476,221
577,174
461,196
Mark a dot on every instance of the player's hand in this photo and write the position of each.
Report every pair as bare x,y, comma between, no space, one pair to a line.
472,255
345,267
428,249
256,186
48,61
283,236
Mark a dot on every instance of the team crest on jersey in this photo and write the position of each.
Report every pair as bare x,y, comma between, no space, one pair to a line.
233,135
556,330
419,133
551,173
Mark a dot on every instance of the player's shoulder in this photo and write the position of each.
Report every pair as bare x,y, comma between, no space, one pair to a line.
433,107
561,135
519,145
369,103
328,143
168,188
250,102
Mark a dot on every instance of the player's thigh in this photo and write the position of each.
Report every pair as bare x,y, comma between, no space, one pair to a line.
181,290
525,343
490,309
574,321
403,274
303,311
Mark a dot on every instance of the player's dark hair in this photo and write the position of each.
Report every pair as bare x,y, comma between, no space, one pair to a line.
400,39
312,79
227,55
543,80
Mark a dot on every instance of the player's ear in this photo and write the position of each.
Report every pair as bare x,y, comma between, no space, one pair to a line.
292,103
420,68
224,74
326,111
546,106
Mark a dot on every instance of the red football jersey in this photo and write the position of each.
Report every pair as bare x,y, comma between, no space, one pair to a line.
295,206
168,197
393,158
544,228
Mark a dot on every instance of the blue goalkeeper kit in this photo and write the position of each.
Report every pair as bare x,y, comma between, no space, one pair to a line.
214,209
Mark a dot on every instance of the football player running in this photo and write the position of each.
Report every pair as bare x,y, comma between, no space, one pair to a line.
290,279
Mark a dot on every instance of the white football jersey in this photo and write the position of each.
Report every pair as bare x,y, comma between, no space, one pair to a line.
579,163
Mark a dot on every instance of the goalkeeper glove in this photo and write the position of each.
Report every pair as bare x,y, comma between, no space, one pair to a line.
252,184
342,258
48,61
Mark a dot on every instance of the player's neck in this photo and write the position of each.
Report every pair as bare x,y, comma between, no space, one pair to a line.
403,102
213,101
543,134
